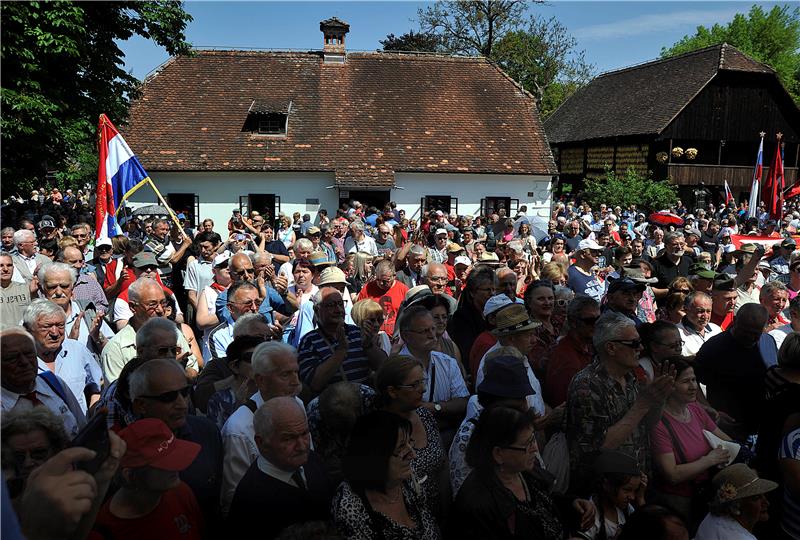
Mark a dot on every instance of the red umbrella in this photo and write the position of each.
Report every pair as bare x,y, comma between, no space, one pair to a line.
665,218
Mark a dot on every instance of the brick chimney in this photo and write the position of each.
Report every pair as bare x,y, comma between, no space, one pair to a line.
333,30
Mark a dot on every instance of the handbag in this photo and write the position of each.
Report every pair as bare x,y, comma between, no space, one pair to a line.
556,460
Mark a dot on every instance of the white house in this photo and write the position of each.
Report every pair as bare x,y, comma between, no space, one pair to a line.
300,131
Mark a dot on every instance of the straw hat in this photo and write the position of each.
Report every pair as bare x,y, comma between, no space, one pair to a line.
738,481
513,320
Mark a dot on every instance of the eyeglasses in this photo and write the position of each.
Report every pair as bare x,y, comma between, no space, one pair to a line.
254,303
632,343
431,330
244,271
437,279
152,305
169,397
37,455
529,444
421,384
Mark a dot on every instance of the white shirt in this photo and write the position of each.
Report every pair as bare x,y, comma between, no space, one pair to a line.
780,334
219,339
76,365
199,275
83,335
239,444
68,411
535,401
692,340
122,310
367,245
722,528
448,384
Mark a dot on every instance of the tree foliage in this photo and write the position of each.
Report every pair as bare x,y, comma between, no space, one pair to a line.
412,41
544,59
538,53
61,69
770,37
631,188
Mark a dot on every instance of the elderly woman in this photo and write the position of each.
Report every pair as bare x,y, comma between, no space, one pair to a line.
29,438
501,498
738,503
370,310
285,232
683,458
401,385
380,498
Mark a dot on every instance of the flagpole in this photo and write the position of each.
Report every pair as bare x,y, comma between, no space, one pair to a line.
755,187
171,213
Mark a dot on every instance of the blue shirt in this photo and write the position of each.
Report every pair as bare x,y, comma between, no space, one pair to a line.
315,349
589,285
273,302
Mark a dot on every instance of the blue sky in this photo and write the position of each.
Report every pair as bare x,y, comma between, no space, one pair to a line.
613,34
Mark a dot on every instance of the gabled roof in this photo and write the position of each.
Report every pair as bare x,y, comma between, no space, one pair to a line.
376,114
643,99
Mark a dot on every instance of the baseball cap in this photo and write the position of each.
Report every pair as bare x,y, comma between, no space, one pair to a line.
461,259
181,216
439,213
496,302
222,259
789,243
105,241
441,231
332,276
150,443
144,258
588,243
46,224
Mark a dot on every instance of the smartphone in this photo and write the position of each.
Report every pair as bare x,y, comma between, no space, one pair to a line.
94,436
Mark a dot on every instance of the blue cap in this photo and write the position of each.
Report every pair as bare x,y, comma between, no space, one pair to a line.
181,216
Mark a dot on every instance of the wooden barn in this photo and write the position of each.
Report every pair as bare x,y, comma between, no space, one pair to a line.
714,101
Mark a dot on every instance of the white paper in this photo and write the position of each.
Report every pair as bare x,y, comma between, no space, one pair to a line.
716,442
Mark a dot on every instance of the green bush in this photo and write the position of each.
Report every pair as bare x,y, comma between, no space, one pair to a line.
631,188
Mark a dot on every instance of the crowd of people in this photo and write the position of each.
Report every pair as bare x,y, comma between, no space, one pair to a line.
373,375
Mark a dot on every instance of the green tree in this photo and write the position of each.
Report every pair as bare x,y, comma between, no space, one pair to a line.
630,188
61,69
770,37
412,41
544,59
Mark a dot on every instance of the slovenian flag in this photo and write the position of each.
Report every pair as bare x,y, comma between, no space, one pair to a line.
119,174
755,189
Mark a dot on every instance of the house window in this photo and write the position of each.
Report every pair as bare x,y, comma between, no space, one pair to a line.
272,124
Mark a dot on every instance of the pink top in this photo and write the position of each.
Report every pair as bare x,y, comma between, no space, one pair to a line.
693,444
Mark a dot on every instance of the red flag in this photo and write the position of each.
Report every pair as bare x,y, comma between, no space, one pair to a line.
773,186
794,191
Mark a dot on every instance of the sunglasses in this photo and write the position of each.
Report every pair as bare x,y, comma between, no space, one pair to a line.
632,343
169,397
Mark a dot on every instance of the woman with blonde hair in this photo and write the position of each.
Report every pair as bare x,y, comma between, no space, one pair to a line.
362,271
555,273
370,310
285,232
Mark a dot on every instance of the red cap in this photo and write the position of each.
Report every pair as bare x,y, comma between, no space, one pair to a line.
150,443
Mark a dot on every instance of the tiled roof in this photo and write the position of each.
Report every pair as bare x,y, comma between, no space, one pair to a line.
643,99
377,114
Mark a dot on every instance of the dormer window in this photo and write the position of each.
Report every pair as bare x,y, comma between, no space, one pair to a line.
268,118
272,124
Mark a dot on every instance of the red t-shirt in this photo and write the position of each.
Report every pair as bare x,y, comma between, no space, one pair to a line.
389,300
483,343
177,517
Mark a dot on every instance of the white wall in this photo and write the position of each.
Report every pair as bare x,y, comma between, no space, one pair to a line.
219,191
471,188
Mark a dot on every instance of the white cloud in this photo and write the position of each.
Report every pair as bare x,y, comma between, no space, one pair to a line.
685,19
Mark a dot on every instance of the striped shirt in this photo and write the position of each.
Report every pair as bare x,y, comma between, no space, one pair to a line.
316,349
790,449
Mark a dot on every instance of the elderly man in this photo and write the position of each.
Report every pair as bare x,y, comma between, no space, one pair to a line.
22,389
436,277
438,251
273,306
780,333
82,233
147,300
7,239
144,265
160,244
774,297
86,286
732,365
623,297
573,352
275,371
723,301
14,297
336,351
199,272
748,257
507,282
674,262
696,327
387,291
287,483
159,389
27,259
446,396
242,298
606,407
67,358
385,243
581,275
329,277
414,256
358,241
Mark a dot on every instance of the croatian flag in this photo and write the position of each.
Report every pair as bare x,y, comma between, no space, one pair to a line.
728,193
755,189
119,174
